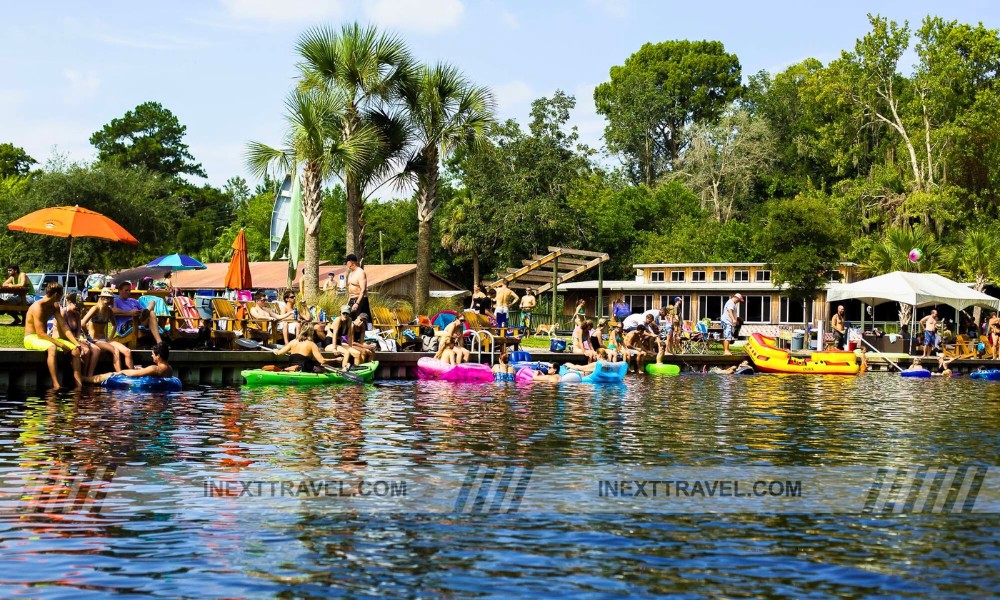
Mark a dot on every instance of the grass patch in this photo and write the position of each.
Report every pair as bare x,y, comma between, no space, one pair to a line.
536,342
10,337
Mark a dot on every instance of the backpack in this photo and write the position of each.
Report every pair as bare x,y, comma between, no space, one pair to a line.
557,345
387,345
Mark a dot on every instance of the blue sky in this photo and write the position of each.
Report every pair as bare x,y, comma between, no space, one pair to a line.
224,66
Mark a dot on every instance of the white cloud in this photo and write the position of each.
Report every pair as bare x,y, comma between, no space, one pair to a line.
285,10
509,19
513,97
82,85
425,16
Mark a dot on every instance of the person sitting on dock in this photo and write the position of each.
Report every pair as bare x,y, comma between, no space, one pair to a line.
90,353
160,367
260,311
581,340
127,308
303,353
635,353
365,350
96,323
17,279
455,331
446,351
36,338
341,336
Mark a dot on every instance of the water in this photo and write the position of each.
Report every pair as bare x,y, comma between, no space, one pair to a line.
165,537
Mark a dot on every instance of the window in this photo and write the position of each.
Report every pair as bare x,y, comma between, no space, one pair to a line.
741,275
718,276
758,309
790,311
763,275
697,276
638,304
667,301
677,276
710,307
834,276
656,276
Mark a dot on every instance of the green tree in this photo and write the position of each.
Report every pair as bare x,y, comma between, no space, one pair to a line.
657,93
723,160
446,112
313,142
799,244
14,160
366,69
149,136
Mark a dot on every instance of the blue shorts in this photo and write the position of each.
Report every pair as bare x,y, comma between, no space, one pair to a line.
929,338
727,331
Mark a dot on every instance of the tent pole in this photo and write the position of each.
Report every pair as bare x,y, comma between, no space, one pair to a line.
69,261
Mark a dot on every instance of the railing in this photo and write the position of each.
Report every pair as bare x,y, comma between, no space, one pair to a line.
477,342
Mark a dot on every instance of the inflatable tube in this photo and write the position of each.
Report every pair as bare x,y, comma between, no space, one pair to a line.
604,372
366,371
669,370
147,383
525,375
986,375
536,365
916,373
747,370
433,369
571,377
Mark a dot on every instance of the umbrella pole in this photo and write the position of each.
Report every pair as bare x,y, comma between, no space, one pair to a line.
69,261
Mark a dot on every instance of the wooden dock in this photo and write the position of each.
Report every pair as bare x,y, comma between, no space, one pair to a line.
24,370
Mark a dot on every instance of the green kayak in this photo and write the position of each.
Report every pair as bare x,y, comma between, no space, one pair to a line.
365,371
655,369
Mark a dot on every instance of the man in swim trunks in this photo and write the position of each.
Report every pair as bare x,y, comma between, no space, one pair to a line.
505,298
728,320
929,323
357,287
36,338
839,329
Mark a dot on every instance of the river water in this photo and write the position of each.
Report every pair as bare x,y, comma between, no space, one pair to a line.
107,492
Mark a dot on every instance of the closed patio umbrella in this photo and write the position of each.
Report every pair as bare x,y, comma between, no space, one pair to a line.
238,275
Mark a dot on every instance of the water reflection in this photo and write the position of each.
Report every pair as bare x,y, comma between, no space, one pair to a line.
59,444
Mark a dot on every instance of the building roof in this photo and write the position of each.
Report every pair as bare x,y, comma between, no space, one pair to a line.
743,287
716,265
274,275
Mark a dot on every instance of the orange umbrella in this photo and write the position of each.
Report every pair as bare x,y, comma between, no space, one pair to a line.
238,275
71,222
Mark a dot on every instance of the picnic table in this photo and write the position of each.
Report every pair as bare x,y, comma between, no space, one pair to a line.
21,292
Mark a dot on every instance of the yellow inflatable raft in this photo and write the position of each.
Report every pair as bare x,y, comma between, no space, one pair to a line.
770,359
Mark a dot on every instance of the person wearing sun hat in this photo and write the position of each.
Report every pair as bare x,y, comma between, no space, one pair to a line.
728,319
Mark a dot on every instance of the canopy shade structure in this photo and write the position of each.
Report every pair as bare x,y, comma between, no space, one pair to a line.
915,289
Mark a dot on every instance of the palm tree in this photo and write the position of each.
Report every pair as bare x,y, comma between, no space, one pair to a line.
457,235
367,68
892,254
447,112
978,258
314,143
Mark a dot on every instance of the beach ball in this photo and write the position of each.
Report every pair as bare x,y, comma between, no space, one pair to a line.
915,255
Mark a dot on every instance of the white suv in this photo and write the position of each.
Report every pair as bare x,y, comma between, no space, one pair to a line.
75,283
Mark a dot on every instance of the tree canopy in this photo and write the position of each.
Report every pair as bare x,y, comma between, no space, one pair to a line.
149,136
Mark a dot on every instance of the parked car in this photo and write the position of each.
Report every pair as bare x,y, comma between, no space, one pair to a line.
75,283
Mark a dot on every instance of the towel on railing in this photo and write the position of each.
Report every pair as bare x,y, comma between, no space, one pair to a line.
892,338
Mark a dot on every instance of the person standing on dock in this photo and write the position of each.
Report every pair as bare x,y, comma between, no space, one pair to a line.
728,320
357,287
929,323
839,328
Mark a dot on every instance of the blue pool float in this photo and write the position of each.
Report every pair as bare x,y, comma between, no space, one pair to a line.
147,383
987,375
531,364
605,372
916,373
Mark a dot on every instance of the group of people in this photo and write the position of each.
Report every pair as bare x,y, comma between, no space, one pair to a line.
85,337
496,303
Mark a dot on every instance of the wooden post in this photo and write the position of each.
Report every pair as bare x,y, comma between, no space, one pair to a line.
600,291
555,284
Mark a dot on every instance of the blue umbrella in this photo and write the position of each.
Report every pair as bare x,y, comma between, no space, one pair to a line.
176,262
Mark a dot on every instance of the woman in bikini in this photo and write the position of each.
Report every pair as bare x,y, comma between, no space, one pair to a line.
96,323
89,352
303,353
160,367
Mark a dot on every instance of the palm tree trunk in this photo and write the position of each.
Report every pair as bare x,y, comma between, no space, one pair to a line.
475,269
427,185
312,212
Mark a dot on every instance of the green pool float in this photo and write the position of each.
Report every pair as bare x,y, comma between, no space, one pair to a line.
670,370
366,371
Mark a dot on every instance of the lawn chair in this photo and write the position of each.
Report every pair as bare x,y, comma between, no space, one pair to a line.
962,348
168,326
187,317
384,319
405,320
987,352
262,330
226,320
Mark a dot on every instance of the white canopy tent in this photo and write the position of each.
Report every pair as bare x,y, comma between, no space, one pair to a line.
915,289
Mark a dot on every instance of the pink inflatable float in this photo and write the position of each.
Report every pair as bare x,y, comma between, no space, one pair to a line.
432,368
